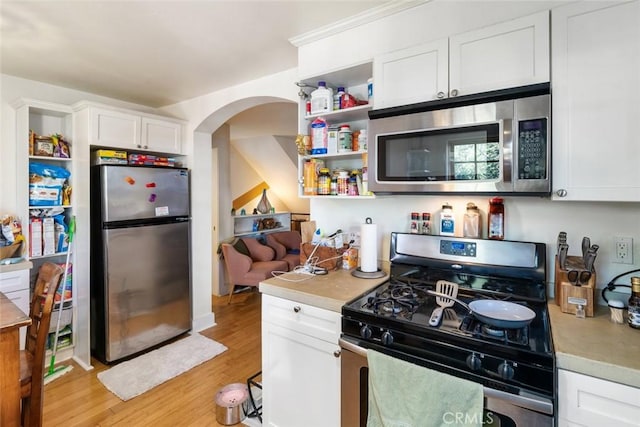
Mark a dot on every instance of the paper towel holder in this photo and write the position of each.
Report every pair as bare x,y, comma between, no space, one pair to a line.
357,272
368,274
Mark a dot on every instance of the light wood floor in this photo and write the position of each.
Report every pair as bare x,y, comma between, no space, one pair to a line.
78,398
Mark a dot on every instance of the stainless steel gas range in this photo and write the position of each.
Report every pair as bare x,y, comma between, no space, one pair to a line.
515,365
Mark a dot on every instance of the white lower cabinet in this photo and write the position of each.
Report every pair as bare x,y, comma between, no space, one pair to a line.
300,364
587,401
15,286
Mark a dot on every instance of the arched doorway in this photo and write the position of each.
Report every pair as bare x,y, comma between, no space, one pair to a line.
211,195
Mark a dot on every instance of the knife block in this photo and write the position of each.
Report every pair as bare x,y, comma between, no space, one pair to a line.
564,289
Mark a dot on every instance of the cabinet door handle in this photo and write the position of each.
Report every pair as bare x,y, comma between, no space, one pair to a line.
337,353
561,193
440,95
454,92
297,309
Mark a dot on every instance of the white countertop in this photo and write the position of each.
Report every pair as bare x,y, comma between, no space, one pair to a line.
330,291
596,346
24,265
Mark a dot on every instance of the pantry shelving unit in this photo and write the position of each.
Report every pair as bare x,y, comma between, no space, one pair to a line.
243,225
45,119
354,80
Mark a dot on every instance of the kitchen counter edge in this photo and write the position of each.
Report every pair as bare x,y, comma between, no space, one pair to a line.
329,292
595,346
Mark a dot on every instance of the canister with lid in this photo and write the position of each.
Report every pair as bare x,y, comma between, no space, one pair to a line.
343,183
324,182
344,139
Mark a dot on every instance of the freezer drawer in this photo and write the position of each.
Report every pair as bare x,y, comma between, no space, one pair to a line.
146,287
137,193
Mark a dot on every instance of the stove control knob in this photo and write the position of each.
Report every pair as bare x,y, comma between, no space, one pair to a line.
473,362
387,338
366,332
506,371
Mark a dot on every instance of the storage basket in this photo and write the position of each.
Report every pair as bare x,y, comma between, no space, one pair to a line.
67,317
326,256
11,251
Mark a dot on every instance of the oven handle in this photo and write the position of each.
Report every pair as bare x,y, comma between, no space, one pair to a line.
526,400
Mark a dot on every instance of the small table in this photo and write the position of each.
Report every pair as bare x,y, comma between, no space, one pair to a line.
11,320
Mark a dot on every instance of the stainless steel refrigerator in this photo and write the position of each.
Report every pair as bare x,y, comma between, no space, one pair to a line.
140,263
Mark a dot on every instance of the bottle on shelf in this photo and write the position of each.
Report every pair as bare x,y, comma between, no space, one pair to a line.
344,139
634,304
471,223
414,225
337,99
496,219
322,99
425,228
447,221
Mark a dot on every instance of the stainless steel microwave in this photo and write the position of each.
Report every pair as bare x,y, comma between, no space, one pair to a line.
493,143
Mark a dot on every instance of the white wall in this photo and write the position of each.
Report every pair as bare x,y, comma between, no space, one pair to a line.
528,219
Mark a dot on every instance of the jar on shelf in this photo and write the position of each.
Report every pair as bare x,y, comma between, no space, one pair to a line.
471,223
324,182
344,139
343,183
352,189
496,219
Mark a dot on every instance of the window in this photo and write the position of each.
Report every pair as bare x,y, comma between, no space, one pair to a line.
474,160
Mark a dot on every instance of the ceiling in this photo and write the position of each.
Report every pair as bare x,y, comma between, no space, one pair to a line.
158,53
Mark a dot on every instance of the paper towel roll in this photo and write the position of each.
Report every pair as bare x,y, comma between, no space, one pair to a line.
369,247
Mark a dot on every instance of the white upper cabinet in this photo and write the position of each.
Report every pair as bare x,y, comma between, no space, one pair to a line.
596,107
415,74
161,135
115,129
509,54
130,130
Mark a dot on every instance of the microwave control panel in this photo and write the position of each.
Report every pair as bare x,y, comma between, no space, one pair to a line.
532,149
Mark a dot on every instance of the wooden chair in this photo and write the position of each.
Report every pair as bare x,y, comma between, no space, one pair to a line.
32,358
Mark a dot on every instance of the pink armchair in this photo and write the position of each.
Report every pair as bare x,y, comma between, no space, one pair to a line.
287,246
250,270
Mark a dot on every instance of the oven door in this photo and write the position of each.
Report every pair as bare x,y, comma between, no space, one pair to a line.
500,408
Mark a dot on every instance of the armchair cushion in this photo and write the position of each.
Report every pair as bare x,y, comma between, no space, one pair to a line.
258,251
286,245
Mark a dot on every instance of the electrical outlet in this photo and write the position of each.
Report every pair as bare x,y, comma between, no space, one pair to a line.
623,250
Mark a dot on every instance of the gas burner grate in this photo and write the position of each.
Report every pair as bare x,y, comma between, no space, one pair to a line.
478,329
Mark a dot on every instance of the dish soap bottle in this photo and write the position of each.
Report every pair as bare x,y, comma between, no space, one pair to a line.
447,221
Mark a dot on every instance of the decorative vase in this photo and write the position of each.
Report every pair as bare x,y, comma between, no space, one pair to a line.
264,207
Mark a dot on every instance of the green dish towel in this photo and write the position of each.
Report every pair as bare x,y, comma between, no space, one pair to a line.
402,394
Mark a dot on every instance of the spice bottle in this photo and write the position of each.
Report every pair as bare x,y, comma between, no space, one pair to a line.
414,225
324,182
634,303
496,219
471,225
447,221
426,223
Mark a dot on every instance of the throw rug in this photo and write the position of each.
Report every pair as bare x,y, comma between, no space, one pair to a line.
139,375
